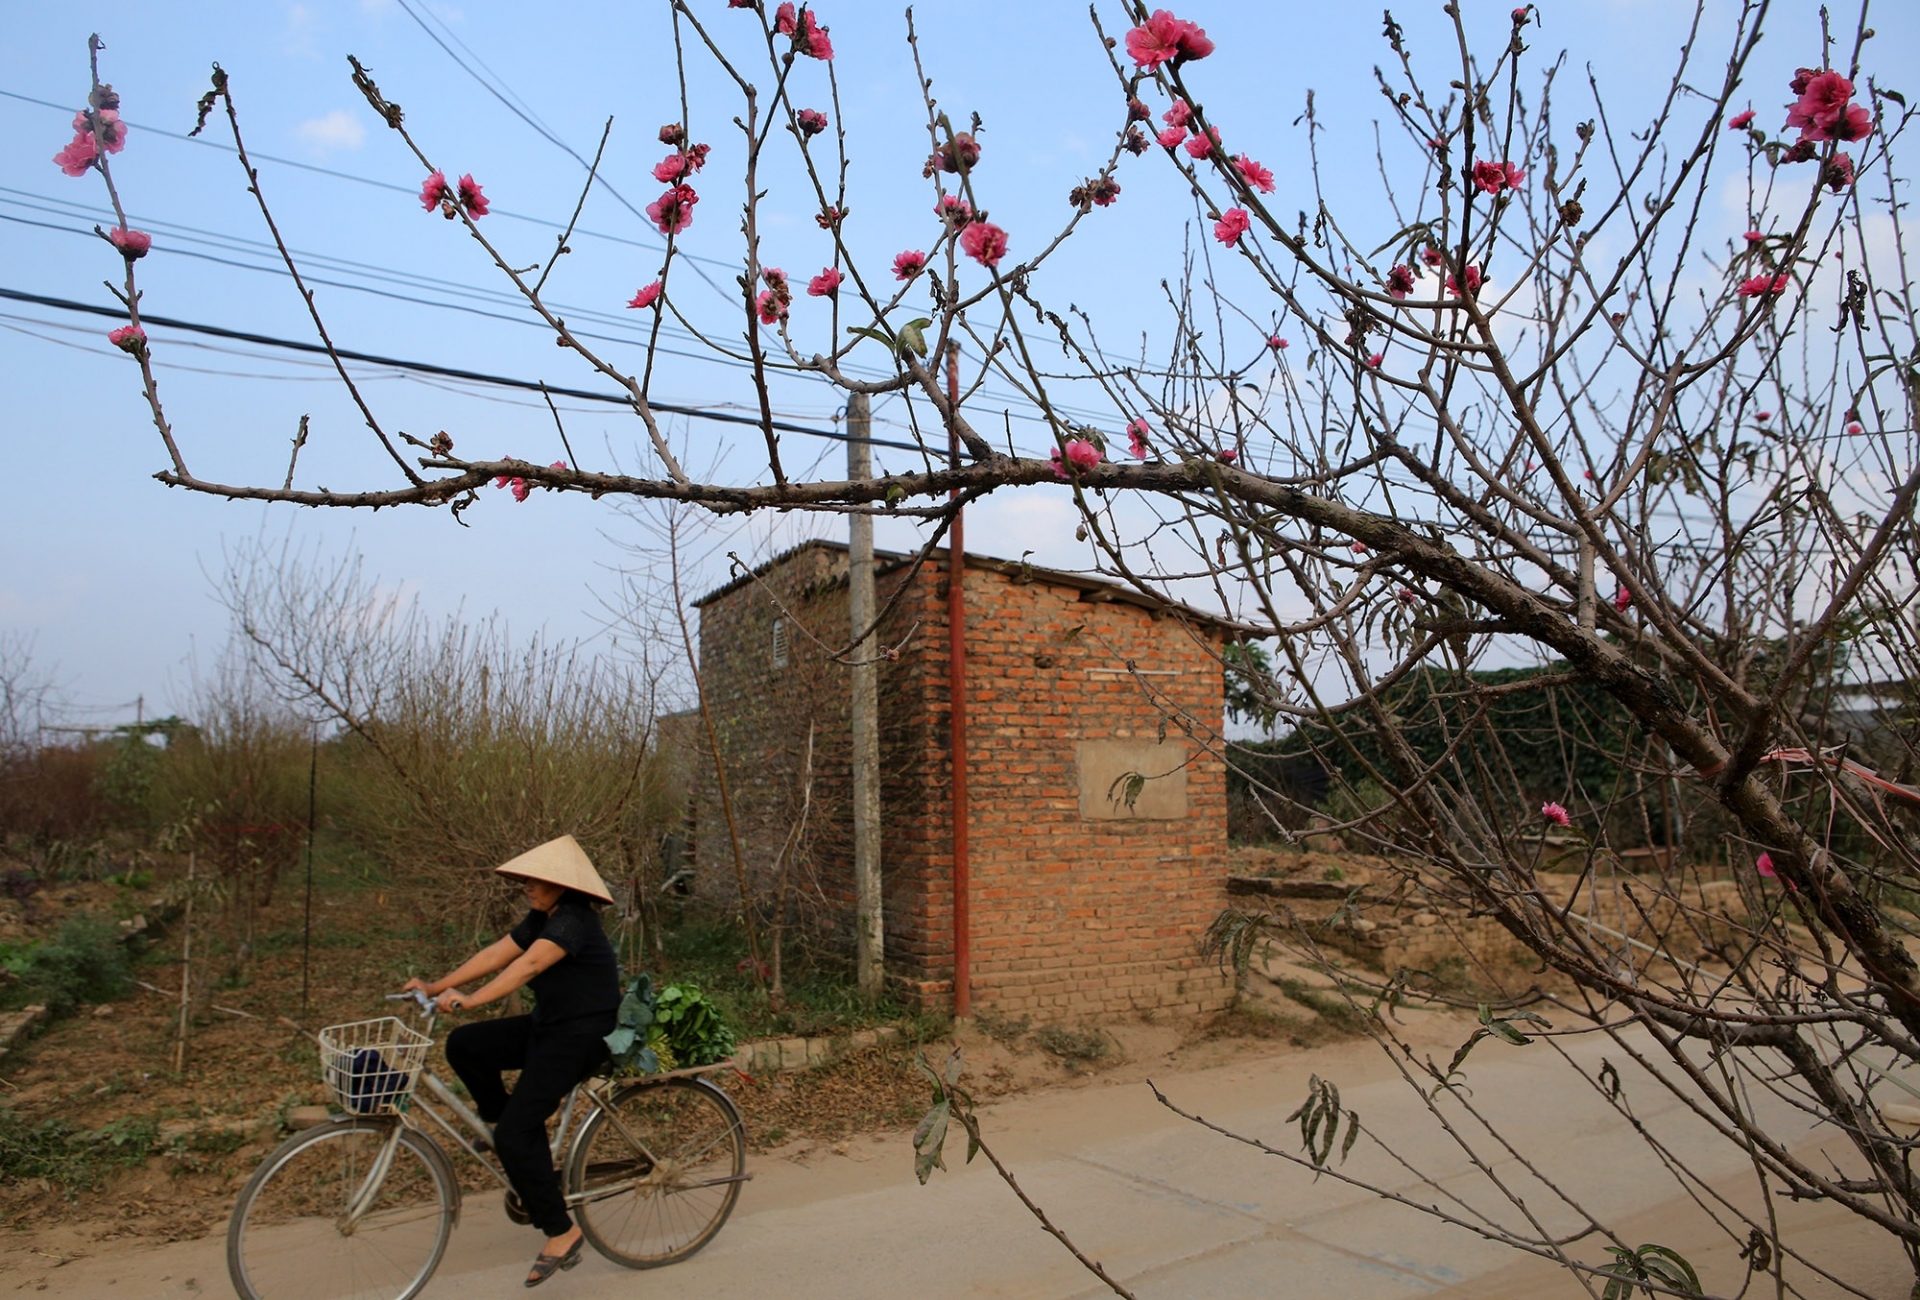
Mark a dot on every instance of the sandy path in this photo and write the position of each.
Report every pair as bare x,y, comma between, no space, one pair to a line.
1172,1210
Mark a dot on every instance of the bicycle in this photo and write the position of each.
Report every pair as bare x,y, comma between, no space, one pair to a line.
361,1207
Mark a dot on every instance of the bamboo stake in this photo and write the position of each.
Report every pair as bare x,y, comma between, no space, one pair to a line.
186,974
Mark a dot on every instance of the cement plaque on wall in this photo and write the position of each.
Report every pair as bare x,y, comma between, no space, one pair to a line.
1131,780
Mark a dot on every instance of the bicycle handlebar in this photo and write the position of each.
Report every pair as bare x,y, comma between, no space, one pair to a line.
419,998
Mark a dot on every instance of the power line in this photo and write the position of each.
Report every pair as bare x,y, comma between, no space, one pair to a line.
1085,414
410,191
248,247
428,368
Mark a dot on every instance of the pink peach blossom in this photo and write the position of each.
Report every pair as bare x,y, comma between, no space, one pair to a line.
1359,548
1555,813
1080,453
1199,146
472,199
1233,223
1853,426
953,210
1754,237
434,191
1740,121
812,121
984,242
1823,111
771,306
130,339
1837,175
1761,417
78,156
1400,281
1179,115
1764,865
1761,286
818,45
1622,599
1169,138
810,37
826,284
1473,283
1432,257
954,156
1137,437
1493,177
131,243
1254,174
909,264
672,212
647,296
671,168
1373,362
1163,38
1228,455
113,132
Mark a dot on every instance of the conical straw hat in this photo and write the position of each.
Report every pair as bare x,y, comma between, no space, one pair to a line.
559,862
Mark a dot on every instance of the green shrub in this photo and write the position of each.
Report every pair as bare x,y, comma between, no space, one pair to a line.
56,1151
84,962
1073,1044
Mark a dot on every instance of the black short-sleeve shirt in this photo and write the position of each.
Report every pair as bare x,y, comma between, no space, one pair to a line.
584,985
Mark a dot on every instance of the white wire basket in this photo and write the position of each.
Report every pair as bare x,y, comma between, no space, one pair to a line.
371,1066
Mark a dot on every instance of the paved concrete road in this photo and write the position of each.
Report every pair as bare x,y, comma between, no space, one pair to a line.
1172,1210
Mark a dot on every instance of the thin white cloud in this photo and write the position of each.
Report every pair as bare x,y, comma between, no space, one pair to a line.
336,131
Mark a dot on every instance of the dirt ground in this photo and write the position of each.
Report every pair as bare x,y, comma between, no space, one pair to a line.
182,1143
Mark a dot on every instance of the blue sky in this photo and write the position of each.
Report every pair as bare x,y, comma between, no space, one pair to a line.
108,572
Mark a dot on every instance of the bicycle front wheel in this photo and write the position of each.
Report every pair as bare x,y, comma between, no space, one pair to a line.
653,1179
295,1233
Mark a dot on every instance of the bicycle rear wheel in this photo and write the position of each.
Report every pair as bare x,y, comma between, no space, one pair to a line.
652,1182
290,1238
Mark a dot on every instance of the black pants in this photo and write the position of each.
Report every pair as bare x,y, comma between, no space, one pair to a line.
550,1064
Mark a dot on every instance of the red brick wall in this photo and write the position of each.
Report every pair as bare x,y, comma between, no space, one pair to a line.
1070,917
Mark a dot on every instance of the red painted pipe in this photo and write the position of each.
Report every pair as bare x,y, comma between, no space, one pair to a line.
957,712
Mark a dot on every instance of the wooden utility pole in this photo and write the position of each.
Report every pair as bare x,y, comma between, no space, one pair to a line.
870,930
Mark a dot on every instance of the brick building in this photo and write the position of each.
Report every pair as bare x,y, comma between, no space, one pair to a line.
1097,827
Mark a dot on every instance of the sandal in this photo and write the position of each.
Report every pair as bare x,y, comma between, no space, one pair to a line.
545,1265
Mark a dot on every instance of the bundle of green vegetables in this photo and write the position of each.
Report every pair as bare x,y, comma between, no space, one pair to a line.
676,1027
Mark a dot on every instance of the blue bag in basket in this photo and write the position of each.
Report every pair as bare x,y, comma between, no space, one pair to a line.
372,1083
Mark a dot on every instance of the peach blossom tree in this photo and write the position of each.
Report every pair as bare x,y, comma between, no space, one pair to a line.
1576,529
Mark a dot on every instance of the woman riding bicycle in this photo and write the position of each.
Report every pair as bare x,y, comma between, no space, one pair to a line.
560,952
